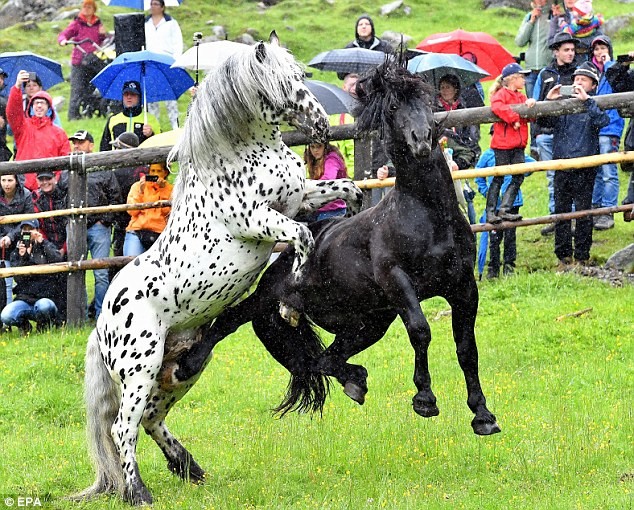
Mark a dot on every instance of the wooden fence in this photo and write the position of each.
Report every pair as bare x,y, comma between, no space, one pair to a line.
78,166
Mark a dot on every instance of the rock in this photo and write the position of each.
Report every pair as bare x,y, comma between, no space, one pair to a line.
219,31
394,38
524,5
66,15
388,9
10,14
245,39
622,259
614,25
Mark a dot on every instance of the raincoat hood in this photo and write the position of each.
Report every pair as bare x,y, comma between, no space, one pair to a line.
42,95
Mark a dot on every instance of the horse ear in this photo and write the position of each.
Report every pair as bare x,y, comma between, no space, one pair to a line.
274,39
260,52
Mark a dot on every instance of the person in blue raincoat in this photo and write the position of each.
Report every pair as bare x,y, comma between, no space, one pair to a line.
496,238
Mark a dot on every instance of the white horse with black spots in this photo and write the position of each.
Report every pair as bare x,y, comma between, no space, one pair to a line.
237,189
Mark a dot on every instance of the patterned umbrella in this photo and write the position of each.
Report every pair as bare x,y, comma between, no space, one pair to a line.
348,60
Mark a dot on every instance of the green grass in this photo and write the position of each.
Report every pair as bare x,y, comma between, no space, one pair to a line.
561,391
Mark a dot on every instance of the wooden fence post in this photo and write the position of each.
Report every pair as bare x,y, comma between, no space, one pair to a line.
77,240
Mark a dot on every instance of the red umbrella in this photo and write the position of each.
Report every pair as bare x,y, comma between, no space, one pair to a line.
491,55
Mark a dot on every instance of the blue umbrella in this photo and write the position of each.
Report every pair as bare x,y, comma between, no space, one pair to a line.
139,4
434,66
159,81
12,62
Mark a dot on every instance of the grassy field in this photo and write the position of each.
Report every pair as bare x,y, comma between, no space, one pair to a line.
561,391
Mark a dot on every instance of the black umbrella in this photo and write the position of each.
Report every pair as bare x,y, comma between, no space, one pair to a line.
348,60
331,97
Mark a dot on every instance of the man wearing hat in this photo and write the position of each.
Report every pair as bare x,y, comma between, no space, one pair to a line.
102,190
559,71
132,118
35,296
5,153
575,136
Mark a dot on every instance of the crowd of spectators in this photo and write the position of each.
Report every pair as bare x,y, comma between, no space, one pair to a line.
565,46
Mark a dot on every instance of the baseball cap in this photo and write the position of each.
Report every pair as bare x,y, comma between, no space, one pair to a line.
82,135
587,69
126,140
513,68
32,223
50,175
132,86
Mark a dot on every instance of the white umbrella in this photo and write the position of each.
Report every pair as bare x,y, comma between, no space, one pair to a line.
207,56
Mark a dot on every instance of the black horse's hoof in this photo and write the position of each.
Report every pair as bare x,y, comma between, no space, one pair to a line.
355,392
426,410
485,428
289,314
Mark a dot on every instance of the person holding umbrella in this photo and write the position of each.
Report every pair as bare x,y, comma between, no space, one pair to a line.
163,35
85,26
365,37
132,118
35,134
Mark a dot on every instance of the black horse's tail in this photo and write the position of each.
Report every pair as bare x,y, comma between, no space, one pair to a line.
297,349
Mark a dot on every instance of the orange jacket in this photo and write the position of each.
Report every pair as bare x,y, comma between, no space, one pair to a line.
149,219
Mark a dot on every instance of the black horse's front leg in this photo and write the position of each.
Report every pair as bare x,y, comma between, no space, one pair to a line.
464,308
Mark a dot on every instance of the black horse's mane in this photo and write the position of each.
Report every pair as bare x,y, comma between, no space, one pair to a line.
390,83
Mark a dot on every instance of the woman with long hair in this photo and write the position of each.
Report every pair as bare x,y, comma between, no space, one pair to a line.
325,162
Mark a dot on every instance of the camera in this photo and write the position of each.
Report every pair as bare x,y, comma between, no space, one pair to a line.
622,59
567,90
197,36
32,76
151,178
26,239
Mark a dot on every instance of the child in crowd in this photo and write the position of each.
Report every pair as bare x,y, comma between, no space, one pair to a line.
584,24
324,161
510,136
497,237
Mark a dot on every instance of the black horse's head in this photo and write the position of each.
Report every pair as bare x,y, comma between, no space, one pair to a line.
397,104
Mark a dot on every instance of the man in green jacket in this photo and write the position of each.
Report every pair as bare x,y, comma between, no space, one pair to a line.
132,118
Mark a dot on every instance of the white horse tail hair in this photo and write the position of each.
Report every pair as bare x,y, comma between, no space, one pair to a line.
102,405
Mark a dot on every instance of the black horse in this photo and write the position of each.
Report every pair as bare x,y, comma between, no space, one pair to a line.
368,269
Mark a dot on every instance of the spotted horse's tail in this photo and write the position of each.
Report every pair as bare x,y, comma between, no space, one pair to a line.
102,405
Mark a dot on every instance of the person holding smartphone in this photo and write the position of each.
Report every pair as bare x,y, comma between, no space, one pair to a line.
147,224
34,294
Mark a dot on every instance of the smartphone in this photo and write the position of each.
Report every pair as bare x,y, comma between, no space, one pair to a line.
26,239
567,90
32,76
151,178
624,58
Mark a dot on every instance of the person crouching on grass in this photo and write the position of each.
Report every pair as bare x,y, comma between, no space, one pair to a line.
575,136
510,136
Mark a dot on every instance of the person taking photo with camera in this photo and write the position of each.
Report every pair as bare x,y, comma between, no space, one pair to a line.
33,294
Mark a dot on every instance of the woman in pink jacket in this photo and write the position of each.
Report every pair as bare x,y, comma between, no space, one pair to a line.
509,139
325,162
85,26
35,134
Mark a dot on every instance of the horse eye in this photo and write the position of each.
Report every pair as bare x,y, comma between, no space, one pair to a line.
393,107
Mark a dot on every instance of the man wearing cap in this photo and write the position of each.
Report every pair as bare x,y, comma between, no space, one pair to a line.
35,296
5,153
559,71
35,134
103,190
132,118
575,136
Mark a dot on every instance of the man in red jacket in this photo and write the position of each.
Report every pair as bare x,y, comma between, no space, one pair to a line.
35,134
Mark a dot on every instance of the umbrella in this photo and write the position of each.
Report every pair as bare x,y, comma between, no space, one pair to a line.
331,97
49,71
159,81
140,4
209,55
434,66
491,55
348,60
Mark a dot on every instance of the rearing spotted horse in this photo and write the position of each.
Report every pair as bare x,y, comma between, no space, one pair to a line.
237,189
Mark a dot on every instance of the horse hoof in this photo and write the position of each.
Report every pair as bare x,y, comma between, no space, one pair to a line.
290,315
426,410
140,497
485,428
354,392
